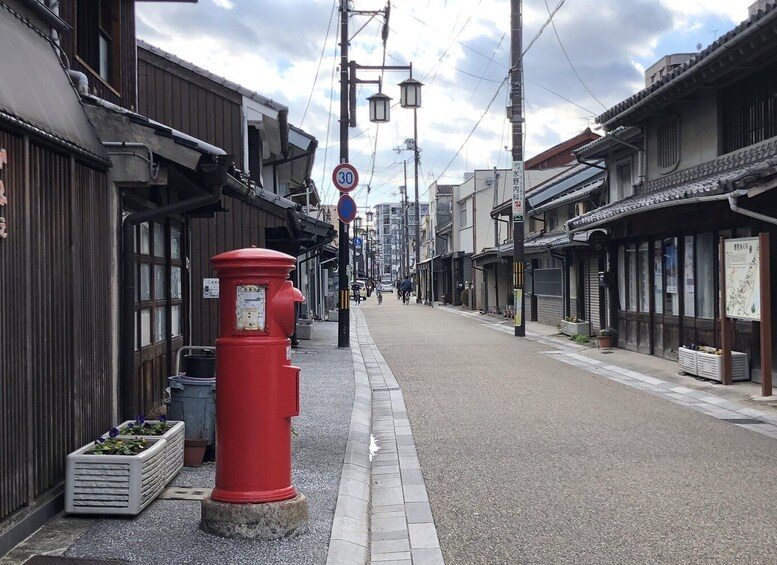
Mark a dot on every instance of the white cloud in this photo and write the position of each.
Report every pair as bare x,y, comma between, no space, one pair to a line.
460,49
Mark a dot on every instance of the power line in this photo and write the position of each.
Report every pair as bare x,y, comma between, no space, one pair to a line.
563,50
320,59
477,124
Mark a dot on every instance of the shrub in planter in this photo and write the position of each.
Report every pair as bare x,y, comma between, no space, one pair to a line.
172,431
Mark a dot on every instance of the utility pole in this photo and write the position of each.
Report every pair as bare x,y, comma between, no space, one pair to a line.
343,313
417,210
516,118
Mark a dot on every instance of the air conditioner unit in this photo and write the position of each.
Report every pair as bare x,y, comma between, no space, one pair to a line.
581,208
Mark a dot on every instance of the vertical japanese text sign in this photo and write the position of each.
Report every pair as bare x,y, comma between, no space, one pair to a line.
517,191
3,199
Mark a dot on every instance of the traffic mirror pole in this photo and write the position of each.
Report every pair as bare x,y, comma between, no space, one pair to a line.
343,314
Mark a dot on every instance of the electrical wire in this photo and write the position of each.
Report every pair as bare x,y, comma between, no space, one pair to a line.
320,60
563,50
512,68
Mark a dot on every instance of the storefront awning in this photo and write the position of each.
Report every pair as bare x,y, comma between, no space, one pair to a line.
36,94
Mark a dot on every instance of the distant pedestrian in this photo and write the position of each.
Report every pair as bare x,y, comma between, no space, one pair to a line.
356,288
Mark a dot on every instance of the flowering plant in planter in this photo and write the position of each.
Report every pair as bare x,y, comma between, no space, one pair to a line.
608,332
114,445
142,428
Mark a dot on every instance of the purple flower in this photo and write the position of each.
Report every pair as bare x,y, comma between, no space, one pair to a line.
140,420
99,440
146,425
163,418
113,432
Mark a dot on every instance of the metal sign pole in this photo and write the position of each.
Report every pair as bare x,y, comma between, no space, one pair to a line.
343,315
516,118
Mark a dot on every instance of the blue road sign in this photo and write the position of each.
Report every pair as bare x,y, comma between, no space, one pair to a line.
357,241
346,209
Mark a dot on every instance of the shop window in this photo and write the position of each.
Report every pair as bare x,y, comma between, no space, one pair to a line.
672,297
622,277
658,277
643,260
145,239
145,281
145,327
631,269
159,240
175,243
689,288
177,327
705,275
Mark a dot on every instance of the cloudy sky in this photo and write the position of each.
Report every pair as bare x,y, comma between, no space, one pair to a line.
590,58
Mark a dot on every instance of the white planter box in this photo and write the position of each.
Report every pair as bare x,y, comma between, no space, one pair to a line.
710,366
687,359
174,449
574,328
114,484
305,329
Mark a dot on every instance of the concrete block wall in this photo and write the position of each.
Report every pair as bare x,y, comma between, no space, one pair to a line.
549,310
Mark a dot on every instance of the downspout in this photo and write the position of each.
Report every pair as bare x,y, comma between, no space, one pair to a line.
732,203
130,407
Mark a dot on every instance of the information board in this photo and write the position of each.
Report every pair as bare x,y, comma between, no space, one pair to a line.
743,278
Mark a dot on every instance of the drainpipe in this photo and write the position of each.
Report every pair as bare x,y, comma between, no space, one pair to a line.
732,203
130,408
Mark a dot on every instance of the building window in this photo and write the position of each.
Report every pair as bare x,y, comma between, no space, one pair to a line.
97,38
463,214
624,179
552,220
668,145
749,110
547,282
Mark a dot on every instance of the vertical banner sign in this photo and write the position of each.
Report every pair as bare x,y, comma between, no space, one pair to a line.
743,278
518,191
518,303
3,199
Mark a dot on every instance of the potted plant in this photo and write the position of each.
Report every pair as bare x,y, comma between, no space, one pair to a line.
115,474
172,431
607,337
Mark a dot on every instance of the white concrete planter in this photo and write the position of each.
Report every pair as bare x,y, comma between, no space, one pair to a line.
304,329
574,328
687,360
710,365
174,449
114,484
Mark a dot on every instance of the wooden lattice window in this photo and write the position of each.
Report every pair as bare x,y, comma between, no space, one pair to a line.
668,144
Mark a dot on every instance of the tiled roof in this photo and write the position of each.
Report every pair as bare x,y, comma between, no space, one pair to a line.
704,182
725,44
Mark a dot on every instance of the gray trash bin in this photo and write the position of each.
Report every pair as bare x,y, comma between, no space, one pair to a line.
194,401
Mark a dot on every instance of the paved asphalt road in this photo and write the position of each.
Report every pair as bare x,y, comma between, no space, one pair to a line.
529,460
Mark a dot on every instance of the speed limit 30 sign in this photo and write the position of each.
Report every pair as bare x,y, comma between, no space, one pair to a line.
345,177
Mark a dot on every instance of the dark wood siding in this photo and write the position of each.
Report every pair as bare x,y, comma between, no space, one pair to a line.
56,323
242,226
190,103
122,90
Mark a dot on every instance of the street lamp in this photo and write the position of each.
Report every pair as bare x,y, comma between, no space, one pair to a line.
379,112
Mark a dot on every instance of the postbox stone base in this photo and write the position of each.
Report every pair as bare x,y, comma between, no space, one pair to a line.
265,521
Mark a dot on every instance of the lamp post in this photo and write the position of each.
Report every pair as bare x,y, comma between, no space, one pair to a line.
379,112
357,224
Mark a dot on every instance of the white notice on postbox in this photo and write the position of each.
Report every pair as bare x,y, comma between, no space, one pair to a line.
251,307
210,288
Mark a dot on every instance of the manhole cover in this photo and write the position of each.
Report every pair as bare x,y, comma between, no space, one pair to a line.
185,493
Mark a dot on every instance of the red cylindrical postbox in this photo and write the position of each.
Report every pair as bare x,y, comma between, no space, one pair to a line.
257,388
